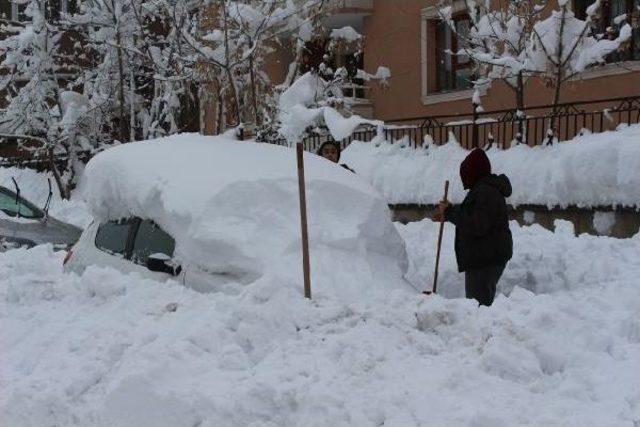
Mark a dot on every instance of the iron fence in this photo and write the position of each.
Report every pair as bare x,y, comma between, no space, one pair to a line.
532,126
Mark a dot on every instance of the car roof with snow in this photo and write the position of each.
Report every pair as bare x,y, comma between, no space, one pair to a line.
232,206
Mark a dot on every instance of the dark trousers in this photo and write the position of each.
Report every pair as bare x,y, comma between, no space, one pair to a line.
480,283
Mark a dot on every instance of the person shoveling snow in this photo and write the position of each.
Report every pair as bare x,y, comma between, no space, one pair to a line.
483,242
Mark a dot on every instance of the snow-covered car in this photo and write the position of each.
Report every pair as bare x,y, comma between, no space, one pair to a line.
217,214
23,224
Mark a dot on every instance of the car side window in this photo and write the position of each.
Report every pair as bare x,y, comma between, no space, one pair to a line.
11,207
112,236
151,239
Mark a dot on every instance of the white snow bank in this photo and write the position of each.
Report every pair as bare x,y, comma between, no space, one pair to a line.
591,170
543,262
109,349
34,188
232,208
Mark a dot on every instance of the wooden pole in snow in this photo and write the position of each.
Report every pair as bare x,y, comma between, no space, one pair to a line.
435,273
303,222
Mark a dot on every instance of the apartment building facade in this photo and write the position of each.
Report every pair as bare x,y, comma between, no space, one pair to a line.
409,37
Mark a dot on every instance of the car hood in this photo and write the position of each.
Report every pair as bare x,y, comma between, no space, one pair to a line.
40,232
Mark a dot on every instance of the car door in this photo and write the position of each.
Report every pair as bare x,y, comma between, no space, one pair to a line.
151,240
109,246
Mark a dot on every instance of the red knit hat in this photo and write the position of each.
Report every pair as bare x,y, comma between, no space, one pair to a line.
475,166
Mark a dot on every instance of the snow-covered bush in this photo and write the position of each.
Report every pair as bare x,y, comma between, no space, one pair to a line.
112,70
313,102
45,116
497,40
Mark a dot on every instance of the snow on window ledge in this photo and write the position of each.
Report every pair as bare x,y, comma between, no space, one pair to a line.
436,98
612,69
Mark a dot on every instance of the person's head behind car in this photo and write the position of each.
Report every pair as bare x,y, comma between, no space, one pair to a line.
330,150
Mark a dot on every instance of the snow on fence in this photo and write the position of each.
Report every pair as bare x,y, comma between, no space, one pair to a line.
504,128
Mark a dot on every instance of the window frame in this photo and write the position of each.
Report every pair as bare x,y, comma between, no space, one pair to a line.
442,56
15,12
53,12
428,71
63,7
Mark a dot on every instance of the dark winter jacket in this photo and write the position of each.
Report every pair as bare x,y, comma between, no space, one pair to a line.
483,237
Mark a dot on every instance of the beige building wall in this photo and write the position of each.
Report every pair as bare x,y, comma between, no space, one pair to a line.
394,38
277,62
398,35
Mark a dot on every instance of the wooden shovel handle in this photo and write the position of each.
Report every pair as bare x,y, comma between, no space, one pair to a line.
435,273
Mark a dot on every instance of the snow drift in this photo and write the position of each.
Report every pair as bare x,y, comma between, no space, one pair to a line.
590,170
232,208
120,350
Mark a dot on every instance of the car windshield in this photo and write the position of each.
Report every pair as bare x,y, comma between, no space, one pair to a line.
17,206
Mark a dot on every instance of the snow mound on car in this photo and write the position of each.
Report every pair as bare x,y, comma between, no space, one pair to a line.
233,209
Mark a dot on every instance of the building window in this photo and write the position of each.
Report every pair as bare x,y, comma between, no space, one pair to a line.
444,77
5,10
68,6
314,54
14,11
18,12
56,8
613,14
453,71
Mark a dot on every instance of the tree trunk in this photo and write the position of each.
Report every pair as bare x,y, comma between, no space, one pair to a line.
254,100
232,84
123,115
558,77
221,115
132,113
520,107
62,188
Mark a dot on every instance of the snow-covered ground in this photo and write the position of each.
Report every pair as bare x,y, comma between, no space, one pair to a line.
591,170
109,349
560,346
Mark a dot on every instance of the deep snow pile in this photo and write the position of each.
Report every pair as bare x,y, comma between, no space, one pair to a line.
591,170
109,349
34,187
236,211
543,262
